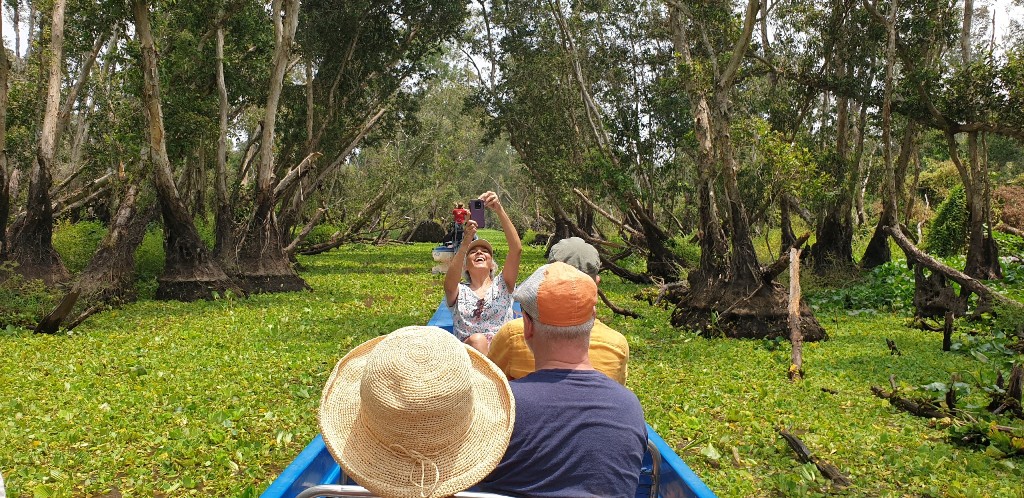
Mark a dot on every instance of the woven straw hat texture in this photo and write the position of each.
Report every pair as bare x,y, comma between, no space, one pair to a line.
416,413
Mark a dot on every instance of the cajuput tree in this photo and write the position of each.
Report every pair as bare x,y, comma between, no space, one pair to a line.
729,291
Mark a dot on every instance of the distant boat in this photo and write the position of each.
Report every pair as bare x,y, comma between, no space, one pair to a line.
443,256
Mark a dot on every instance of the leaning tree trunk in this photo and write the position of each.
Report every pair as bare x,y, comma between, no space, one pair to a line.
109,277
32,240
730,294
190,272
263,266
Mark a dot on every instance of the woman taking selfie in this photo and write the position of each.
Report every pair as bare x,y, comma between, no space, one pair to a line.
482,302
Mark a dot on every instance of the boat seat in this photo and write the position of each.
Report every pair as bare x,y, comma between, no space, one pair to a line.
650,472
340,490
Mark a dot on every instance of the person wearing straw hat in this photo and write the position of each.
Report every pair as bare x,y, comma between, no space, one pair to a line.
609,351
416,414
483,303
577,432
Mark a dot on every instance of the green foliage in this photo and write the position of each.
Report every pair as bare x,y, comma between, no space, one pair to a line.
885,288
988,438
321,233
937,180
23,302
149,262
76,242
947,234
1009,244
687,250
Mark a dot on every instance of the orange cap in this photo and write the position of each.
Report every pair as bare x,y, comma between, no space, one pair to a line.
558,294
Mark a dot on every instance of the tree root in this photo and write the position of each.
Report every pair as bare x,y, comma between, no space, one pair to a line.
617,310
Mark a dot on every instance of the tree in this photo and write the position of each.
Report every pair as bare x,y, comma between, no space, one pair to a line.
32,238
728,291
262,264
596,134
5,192
364,66
189,271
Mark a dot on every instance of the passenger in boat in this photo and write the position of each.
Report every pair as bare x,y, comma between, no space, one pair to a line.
416,413
577,432
459,214
609,350
482,303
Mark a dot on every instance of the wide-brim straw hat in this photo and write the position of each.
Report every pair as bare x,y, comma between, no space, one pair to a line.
417,414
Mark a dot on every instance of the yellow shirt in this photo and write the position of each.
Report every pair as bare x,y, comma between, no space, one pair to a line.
609,351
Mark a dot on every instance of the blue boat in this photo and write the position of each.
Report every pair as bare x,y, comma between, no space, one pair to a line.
315,473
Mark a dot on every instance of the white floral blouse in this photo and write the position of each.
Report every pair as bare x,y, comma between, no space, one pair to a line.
472,315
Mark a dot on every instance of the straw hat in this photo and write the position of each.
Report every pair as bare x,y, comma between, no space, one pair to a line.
416,413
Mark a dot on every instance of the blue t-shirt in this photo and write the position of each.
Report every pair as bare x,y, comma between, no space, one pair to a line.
577,433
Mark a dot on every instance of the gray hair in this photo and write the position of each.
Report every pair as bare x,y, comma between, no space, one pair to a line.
571,332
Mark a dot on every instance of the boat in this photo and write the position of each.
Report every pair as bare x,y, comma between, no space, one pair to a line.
315,473
442,255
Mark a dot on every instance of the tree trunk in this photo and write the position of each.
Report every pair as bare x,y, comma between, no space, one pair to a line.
109,279
224,245
5,192
744,264
982,252
796,339
263,266
32,241
726,295
785,224
877,252
833,245
190,272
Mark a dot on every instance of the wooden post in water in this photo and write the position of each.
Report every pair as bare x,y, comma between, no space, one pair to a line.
947,332
796,370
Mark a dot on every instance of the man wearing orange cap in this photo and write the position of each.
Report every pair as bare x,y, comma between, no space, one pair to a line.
609,351
577,432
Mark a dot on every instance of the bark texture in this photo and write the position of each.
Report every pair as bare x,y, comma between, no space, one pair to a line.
5,192
263,265
190,272
32,239
109,278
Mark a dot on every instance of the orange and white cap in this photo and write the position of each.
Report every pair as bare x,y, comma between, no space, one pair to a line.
559,295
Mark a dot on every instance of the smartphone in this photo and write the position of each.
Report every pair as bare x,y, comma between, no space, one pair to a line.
476,212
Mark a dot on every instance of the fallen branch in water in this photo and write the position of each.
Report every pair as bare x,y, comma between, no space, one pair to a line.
803,454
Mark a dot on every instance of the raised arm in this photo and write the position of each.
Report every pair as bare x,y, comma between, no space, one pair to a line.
455,266
510,272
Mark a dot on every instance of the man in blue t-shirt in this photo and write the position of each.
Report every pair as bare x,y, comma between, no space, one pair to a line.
577,432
